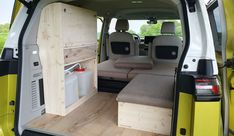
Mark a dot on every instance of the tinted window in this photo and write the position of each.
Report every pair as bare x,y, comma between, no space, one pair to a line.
215,22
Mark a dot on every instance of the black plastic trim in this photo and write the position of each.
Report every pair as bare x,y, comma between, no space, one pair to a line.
7,54
205,67
41,88
120,48
207,98
20,59
166,52
191,5
149,39
111,85
8,67
186,83
33,133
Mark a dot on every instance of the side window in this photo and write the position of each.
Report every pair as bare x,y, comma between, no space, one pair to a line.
215,22
99,27
6,7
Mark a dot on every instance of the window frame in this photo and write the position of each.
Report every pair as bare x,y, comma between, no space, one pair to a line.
213,24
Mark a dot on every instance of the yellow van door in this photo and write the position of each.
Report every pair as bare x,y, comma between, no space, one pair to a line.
8,78
229,15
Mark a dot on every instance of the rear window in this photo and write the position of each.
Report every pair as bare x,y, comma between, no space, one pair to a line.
141,28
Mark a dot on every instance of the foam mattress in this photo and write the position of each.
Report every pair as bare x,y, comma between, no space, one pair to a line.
153,90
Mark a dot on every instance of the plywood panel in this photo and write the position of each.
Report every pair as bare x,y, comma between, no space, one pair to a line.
96,117
66,35
143,117
72,26
52,60
79,54
80,26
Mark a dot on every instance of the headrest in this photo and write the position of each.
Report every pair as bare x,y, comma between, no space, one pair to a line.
122,25
168,28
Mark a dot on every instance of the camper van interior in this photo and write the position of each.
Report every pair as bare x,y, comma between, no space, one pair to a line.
121,83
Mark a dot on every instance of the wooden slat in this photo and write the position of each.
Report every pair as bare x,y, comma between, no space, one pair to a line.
96,117
79,54
143,117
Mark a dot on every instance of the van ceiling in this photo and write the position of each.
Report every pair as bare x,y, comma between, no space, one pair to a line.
132,9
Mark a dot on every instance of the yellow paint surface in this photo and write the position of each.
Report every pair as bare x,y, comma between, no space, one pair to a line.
7,93
184,113
206,119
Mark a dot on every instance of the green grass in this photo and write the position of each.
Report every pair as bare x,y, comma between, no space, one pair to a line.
3,37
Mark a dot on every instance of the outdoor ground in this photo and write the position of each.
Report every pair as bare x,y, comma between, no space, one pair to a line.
4,29
3,37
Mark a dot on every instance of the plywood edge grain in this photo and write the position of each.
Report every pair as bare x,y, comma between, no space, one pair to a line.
144,117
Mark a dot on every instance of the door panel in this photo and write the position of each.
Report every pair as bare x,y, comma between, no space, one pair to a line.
184,114
229,15
7,101
206,116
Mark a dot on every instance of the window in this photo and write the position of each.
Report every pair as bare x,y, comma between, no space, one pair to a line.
215,22
141,28
6,7
99,27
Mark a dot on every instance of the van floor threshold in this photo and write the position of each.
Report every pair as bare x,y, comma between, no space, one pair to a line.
96,117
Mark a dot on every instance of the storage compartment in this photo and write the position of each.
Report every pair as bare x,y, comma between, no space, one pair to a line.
67,36
71,89
85,81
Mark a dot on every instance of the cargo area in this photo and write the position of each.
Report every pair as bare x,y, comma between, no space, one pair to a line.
126,94
96,117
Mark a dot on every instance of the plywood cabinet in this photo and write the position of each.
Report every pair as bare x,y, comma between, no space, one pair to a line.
66,36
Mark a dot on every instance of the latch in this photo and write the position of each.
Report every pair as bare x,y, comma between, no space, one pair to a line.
12,103
191,5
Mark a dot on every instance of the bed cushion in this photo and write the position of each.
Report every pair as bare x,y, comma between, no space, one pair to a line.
162,69
149,90
135,62
107,70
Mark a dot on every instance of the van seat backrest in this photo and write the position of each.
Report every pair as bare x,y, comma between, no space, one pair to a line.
121,43
167,47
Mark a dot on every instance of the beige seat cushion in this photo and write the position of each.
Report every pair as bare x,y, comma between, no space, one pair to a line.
135,62
149,90
163,69
106,69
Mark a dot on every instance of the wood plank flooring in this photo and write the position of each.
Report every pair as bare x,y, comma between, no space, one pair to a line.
96,117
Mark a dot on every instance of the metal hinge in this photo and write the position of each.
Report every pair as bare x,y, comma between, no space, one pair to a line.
228,64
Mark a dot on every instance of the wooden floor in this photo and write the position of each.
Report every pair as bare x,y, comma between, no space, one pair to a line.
96,117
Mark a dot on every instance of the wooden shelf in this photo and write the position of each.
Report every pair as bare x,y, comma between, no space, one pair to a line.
73,55
67,35
80,61
81,46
